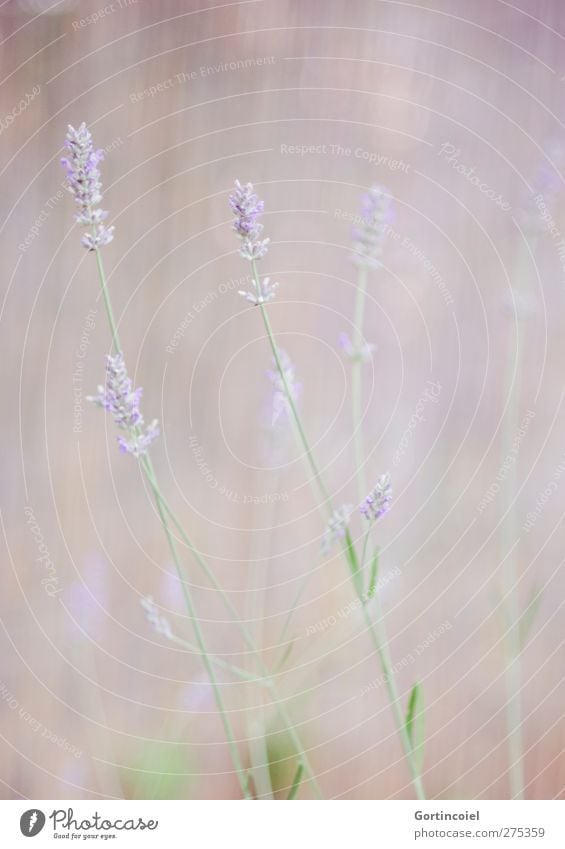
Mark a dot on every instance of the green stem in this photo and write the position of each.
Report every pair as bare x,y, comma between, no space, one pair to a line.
149,473
512,647
378,636
240,673
108,303
356,380
279,707
242,775
281,710
381,649
296,418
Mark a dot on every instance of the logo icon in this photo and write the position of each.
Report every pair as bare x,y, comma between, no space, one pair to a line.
32,822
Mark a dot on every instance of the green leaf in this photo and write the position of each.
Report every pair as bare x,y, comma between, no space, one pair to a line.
285,656
528,616
296,783
351,555
373,576
415,725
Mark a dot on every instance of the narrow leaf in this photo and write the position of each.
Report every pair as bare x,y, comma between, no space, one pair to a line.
285,656
415,725
528,616
296,783
351,555
373,576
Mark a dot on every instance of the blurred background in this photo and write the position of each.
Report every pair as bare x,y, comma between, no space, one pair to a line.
457,110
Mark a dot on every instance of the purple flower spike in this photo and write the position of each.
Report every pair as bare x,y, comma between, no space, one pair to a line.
84,184
122,402
369,237
377,502
247,208
158,622
336,527
362,354
280,400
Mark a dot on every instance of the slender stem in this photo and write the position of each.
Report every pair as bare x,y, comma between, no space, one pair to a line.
242,775
150,475
378,636
356,380
108,303
380,647
279,706
296,418
243,674
512,648
365,544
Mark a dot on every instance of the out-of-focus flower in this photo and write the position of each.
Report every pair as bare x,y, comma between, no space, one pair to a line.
336,527
159,623
247,208
122,402
280,400
377,502
262,293
364,353
369,236
83,176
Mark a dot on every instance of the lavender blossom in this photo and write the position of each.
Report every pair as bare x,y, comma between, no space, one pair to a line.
369,237
84,184
247,208
262,292
280,400
336,527
122,402
377,502
159,623
362,354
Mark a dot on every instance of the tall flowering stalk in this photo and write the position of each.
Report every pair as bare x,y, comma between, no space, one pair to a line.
368,240
122,401
247,208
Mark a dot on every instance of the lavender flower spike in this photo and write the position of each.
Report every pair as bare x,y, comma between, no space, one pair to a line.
84,183
377,502
122,402
159,623
262,292
336,527
362,354
247,208
369,237
280,400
